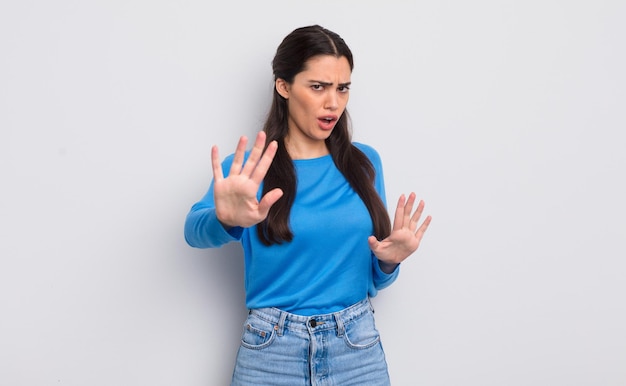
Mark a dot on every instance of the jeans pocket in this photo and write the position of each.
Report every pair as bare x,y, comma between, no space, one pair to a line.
361,333
257,333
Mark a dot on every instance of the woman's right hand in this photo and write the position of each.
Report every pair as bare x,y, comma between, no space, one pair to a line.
235,196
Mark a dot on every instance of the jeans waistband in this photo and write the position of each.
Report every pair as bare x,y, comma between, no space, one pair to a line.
334,321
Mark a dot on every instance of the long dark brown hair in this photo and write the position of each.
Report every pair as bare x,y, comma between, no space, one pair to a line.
290,59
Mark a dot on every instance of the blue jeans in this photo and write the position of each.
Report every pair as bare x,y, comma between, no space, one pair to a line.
342,348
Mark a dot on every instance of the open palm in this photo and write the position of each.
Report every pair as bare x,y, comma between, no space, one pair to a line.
235,196
405,235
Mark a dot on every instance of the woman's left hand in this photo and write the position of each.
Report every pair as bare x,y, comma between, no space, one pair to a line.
405,236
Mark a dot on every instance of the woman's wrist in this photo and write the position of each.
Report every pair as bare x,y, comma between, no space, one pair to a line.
387,267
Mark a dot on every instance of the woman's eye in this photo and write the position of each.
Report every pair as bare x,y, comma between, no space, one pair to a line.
344,88
317,87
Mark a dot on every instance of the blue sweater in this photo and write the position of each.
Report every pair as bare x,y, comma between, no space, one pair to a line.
328,265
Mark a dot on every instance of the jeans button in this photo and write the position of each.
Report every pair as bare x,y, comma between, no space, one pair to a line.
312,323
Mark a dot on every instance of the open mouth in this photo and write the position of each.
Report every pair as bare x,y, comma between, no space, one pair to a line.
327,123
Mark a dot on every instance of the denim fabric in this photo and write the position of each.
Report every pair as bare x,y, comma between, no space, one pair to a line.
342,348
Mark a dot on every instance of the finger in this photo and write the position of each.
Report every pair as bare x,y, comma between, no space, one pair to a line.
416,216
264,164
255,154
398,216
373,243
235,167
218,175
422,229
268,200
408,208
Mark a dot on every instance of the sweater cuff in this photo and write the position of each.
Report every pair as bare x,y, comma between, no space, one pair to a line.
204,230
222,234
382,279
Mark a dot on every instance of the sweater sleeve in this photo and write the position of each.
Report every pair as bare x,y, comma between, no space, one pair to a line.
381,279
202,228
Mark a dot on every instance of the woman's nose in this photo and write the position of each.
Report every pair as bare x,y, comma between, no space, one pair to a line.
332,101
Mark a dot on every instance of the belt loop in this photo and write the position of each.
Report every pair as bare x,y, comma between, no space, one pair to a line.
340,327
281,323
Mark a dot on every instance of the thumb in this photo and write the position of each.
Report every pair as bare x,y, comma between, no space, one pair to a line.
373,242
269,199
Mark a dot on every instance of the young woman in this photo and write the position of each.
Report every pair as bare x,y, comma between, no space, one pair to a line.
308,206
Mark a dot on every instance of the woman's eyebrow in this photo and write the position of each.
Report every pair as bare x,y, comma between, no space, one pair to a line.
330,83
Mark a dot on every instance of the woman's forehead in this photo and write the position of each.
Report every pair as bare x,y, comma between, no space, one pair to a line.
327,66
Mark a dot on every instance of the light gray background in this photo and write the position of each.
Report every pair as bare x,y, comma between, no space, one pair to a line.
507,117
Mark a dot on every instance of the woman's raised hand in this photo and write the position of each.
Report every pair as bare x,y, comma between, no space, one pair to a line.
235,196
405,235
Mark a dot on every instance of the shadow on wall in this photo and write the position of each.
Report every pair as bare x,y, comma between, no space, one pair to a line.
223,270
226,273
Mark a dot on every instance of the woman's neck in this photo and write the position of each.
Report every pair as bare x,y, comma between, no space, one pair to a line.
299,149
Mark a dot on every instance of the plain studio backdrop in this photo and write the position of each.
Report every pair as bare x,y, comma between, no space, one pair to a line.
506,117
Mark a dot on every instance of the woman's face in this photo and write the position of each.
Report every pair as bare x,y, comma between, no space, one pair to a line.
316,100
